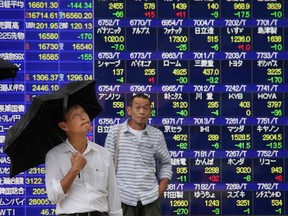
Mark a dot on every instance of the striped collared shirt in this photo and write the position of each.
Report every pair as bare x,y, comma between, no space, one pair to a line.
137,162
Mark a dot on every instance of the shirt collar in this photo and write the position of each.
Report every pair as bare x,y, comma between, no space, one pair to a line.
126,130
68,147
91,146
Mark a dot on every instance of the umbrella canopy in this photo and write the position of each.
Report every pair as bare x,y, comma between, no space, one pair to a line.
30,138
7,69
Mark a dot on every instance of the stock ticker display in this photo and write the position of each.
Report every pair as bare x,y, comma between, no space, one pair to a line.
216,71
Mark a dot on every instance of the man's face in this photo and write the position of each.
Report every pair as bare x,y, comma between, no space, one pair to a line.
140,111
76,120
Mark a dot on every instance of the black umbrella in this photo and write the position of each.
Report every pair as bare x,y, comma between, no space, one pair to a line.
30,138
7,69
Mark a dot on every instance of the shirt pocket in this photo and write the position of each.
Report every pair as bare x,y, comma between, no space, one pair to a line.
147,152
98,180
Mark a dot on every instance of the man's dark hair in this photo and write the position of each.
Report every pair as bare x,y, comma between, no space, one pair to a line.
140,95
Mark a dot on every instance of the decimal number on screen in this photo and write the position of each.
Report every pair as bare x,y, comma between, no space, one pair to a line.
40,201
43,5
36,181
44,88
79,77
45,77
48,212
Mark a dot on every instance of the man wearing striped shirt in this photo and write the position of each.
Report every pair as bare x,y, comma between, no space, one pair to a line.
137,147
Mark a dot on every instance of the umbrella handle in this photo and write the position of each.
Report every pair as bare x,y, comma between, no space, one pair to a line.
69,147
73,152
65,103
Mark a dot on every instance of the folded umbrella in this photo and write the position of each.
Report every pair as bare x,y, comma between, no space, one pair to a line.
30,138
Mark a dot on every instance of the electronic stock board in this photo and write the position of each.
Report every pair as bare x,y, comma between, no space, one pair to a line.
216,71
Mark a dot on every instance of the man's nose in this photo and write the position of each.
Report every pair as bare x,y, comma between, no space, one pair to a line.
83,115
141,111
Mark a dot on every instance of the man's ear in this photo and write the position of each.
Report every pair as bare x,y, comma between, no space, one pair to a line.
128,110
62,125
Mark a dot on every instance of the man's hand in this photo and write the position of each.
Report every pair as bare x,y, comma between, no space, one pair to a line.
78,162
163,186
